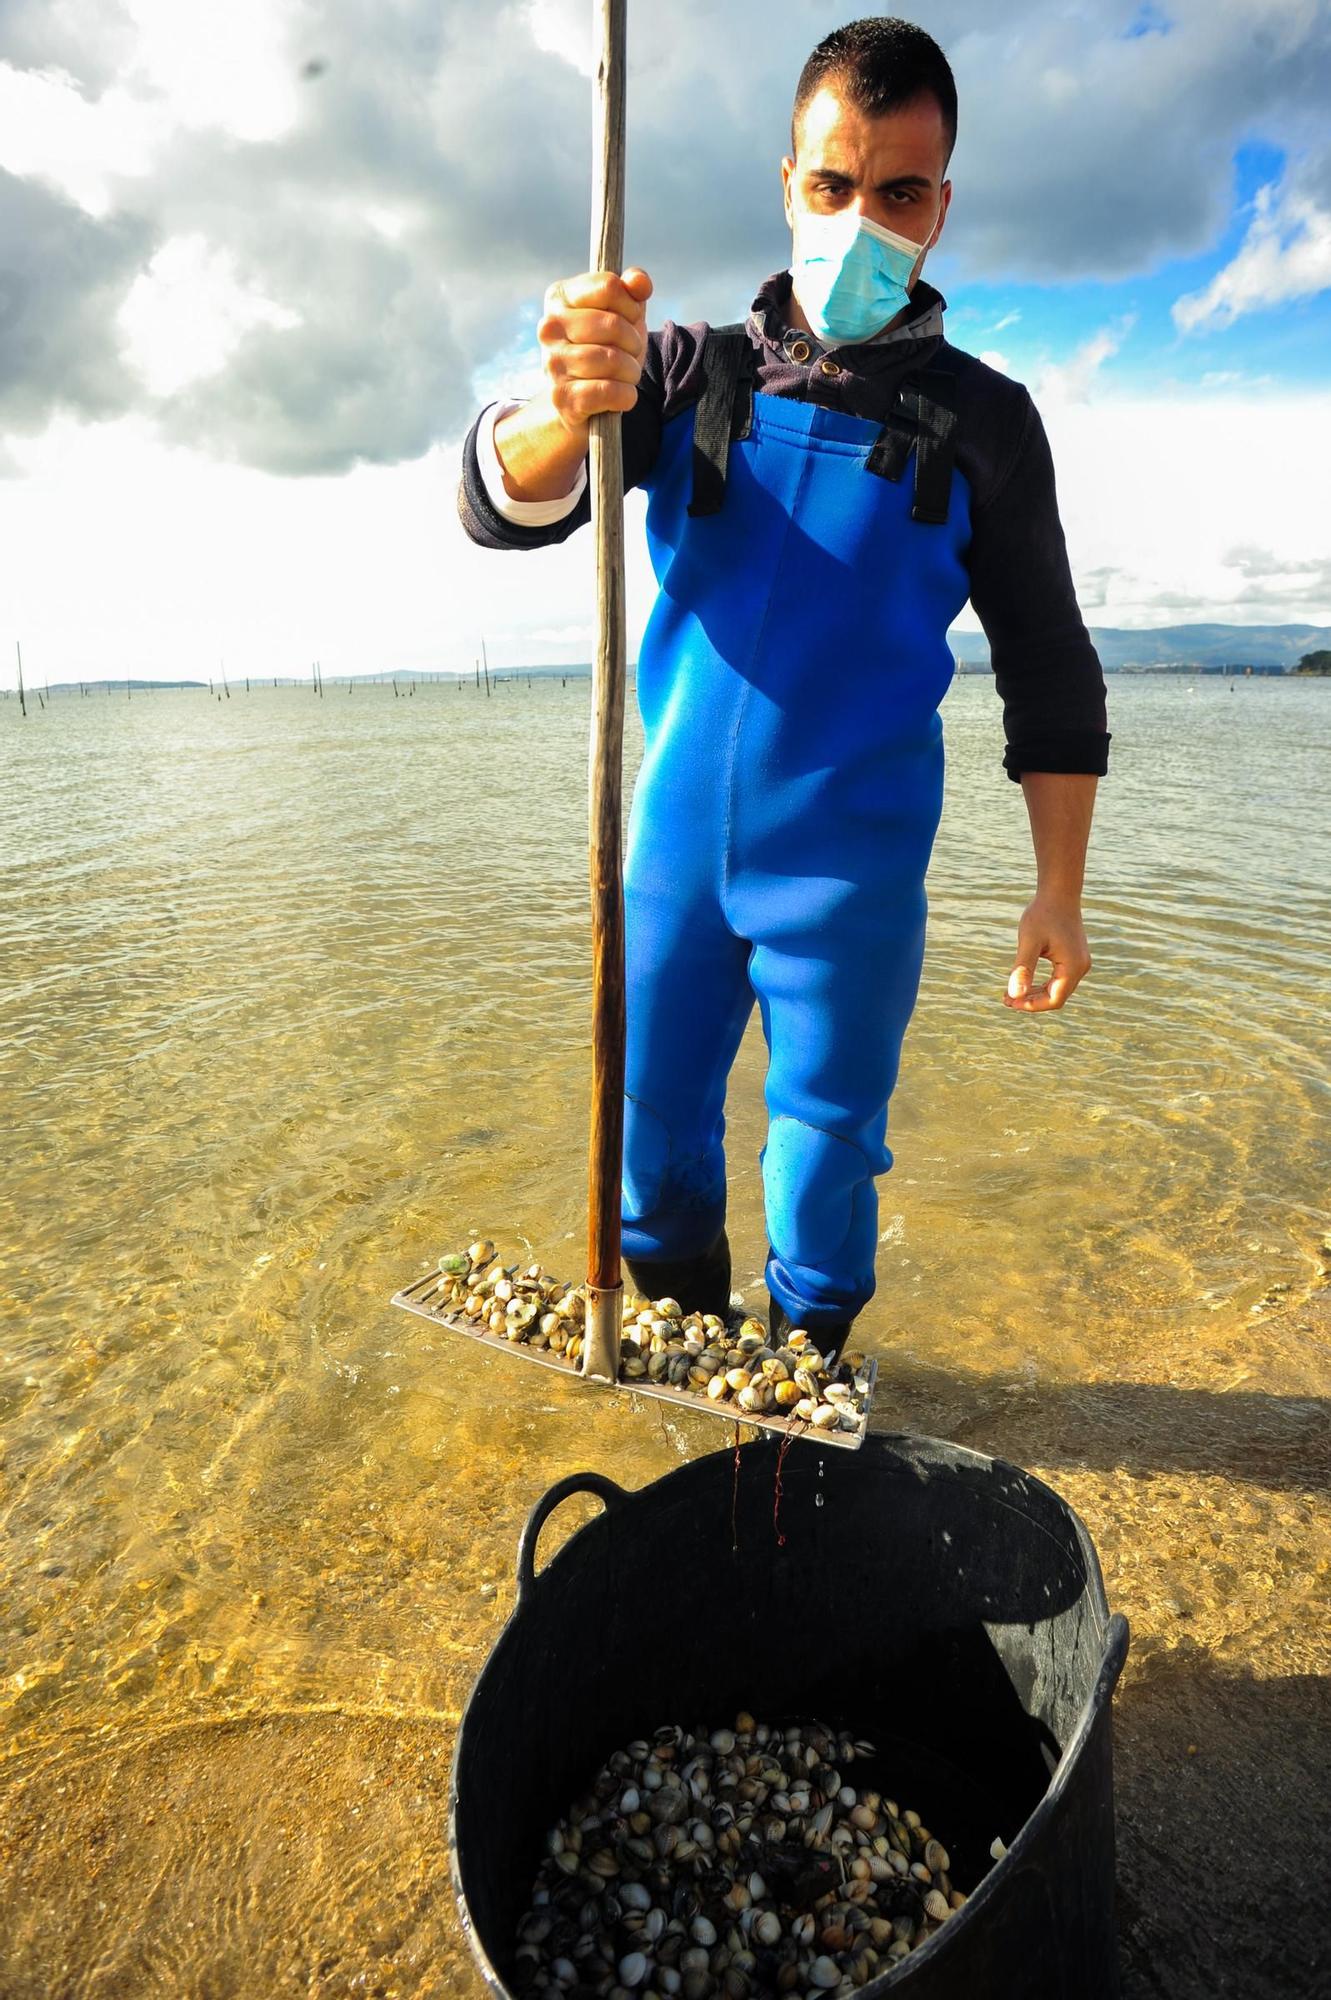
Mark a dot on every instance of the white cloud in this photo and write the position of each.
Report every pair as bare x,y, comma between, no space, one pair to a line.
562,27
226,68
189,68
180,560
1286,254
993,359
50,132
409,178
372,568
1070,381
1008,319
1148,497
188,312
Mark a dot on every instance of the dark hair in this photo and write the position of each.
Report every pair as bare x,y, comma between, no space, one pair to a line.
881,64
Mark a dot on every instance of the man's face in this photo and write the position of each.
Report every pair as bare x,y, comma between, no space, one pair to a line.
890,169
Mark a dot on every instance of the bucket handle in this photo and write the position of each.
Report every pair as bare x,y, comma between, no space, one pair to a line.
577,1482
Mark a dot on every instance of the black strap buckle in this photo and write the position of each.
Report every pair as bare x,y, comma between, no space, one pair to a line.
925,422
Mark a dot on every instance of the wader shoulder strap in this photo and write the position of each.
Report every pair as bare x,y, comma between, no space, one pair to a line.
724,412
924,421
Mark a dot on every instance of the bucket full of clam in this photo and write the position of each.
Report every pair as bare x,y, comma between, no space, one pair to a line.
790,1721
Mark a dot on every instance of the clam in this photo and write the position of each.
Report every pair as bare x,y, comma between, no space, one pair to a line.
679,1899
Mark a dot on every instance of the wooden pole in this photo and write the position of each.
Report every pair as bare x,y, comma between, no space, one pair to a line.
485,662
605,1159
22,699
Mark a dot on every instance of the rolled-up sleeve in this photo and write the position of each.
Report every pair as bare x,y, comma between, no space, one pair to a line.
1046,668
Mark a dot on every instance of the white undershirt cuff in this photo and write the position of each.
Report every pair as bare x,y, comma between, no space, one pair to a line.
523,513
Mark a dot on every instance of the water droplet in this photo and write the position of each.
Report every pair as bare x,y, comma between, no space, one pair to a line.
817,1499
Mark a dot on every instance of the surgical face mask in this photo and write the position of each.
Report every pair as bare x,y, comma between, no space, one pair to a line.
850,274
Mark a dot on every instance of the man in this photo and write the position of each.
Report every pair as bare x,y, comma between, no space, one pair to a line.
828,484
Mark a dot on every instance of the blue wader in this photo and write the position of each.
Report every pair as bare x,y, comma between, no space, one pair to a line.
789,683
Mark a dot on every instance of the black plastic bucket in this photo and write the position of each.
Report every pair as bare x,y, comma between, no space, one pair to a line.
947,1606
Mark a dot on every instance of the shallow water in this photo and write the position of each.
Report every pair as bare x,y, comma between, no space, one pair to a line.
294,997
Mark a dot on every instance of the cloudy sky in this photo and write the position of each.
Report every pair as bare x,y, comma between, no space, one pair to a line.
260,264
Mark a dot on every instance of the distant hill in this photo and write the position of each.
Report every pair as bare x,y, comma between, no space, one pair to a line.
1184,648
1154,649
100,687
404,678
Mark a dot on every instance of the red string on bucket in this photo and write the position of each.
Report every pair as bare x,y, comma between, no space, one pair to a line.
778,1489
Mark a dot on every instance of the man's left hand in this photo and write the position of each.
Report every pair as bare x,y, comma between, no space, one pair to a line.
1050,928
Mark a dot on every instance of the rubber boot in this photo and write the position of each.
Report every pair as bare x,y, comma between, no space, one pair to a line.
701,1283
829,1340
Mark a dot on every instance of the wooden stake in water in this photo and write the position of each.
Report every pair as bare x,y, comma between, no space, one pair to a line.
22,701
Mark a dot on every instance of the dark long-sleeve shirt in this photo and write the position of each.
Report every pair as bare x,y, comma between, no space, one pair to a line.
1045,666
